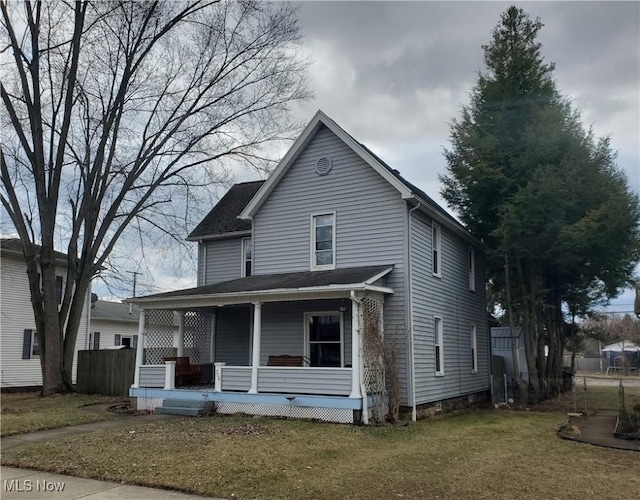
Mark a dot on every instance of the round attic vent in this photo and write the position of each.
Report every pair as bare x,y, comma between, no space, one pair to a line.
324,166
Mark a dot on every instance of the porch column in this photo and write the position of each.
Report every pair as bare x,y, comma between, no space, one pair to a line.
355,347
180,333
139,350
255,360
212,346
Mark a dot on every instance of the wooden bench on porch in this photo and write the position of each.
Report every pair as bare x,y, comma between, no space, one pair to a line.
186,373
286,360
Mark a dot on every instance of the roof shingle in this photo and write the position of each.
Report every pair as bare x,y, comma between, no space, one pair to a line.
223,218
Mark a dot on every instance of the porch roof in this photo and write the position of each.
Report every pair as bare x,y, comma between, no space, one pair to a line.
273,287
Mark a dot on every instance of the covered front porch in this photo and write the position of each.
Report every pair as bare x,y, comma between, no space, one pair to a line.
303,352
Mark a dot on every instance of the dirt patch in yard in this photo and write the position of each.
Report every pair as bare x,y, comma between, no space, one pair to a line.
125,409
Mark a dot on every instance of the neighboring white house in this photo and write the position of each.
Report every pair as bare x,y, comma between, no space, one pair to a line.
113,324
19,349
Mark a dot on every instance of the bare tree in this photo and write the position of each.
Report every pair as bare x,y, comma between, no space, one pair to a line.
115,115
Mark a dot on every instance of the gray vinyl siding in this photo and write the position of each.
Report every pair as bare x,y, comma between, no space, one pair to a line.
370,225
222,261
152,376
283,327
282,330
327,381
236,379
450,298
233,338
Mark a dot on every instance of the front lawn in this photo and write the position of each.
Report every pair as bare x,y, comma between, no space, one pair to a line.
477,454
28,411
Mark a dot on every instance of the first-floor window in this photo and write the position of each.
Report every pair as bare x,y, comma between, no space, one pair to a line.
474,349
439,347
126,340
30,344
324,332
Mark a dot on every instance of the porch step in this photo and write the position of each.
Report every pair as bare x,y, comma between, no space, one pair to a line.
184,408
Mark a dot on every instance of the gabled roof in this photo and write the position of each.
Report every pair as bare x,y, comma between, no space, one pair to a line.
114,311
405,188
290,283
13,246
223,219
627,346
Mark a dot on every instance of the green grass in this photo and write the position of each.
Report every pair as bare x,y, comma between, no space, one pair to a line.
28,412
476,454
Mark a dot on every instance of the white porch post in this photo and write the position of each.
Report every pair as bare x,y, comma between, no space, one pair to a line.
255,360
217,384
355,348
212,347
170,375
180,333
139,350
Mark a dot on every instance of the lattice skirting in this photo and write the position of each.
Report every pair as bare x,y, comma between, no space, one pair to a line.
148,404
338,415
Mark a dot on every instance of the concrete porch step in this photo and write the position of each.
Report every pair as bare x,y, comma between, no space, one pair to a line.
184,403
185,412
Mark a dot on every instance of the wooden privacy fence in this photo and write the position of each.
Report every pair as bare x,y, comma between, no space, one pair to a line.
108,372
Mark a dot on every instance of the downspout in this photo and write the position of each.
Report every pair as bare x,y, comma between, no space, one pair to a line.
414,412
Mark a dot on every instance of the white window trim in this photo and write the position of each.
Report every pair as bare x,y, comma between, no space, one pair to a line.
307,344
438,337
435,228
473,331
471,262
312,246
243,258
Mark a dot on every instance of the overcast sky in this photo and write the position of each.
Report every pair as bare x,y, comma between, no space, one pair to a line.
394,74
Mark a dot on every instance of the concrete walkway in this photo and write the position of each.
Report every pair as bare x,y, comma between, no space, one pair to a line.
25,484
598,429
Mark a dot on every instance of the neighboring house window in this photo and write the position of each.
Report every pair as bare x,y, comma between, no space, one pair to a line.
247,257
472,269
59,289
439,344
436,245
474,349
324,332
323,242
126,340
30,344
94,341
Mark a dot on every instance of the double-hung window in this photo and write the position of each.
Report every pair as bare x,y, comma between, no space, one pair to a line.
436,245
324,332
474,348
323,241
472,269
247,257
439,345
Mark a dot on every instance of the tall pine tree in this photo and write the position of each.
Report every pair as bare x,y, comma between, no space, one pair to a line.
545,196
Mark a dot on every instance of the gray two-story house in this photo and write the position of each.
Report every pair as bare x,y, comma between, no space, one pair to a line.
331,290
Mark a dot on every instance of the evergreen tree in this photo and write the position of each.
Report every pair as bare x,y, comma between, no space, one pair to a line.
545,196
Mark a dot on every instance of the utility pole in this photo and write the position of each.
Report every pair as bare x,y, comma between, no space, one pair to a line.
135,276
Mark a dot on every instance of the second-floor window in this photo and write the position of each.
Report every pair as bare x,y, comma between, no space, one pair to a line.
323,241
472,269
436,245
247,257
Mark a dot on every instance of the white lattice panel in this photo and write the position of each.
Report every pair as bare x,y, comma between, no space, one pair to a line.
148,404
373,348
337,415
197,337
159,328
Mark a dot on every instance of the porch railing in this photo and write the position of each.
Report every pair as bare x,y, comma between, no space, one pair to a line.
271,379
